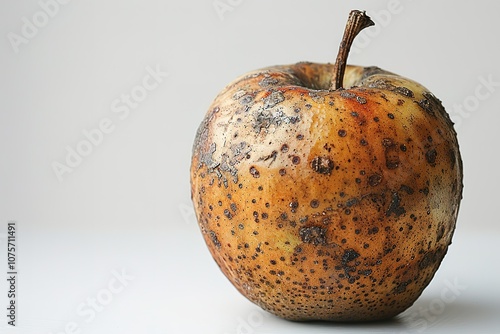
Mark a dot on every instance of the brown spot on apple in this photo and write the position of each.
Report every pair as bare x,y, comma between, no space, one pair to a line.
295,159
430,156
404,91
215,240
322,165
391,153
374,180
255,173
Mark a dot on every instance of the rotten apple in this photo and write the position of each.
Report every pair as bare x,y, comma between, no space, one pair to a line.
327,192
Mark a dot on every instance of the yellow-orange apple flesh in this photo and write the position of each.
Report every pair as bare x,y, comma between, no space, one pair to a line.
327,205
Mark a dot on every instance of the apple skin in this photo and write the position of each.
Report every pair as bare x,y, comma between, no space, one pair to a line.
325,204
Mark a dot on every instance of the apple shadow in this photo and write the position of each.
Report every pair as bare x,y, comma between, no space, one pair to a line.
390,325
424,315
460,313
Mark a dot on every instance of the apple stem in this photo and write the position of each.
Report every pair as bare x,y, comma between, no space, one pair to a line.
356,22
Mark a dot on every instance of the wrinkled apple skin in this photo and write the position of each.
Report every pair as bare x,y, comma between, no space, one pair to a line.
327,205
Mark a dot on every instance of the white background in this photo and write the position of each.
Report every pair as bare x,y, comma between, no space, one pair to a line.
124,210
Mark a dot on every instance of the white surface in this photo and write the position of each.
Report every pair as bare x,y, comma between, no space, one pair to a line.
125,209
173,286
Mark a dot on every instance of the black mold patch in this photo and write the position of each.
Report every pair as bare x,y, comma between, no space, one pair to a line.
395,206
426,105
313,235
322,165
431,258
431,156
409,190
401,287
349,255
431,104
